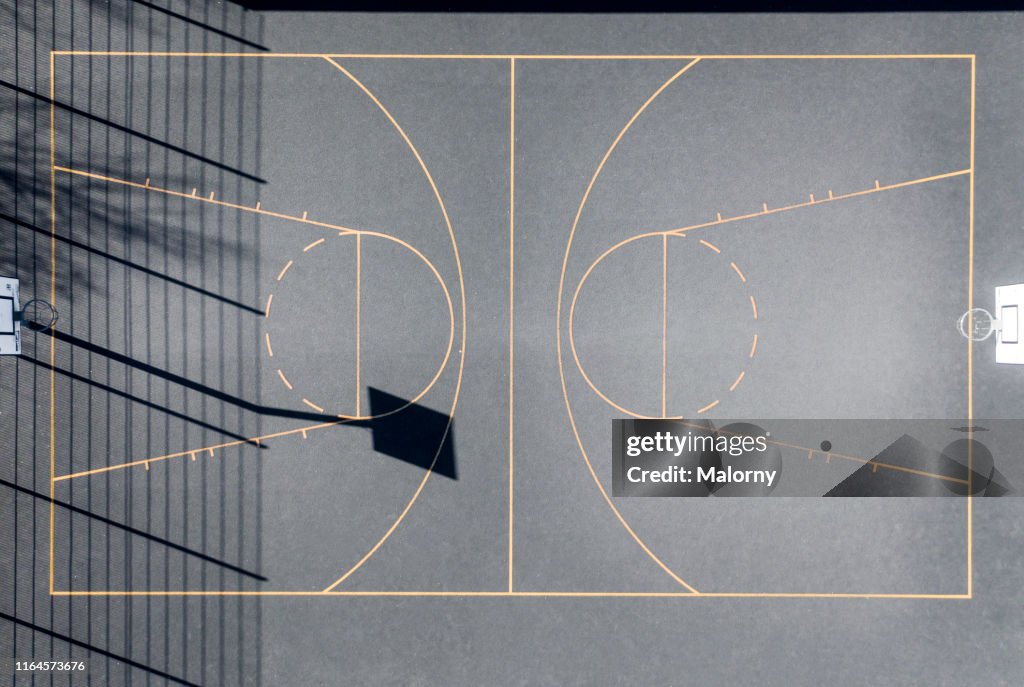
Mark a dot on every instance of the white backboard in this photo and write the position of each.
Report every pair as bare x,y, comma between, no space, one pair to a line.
1010,312
10,329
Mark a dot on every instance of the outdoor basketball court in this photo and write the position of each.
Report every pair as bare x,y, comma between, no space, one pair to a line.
388,365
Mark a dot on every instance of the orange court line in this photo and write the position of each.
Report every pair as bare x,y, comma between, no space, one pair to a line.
527,594
823,201
280,276
511,317
187,196
572,317
359,298
707,407
662,412
257,440
875,464
664,325
53,301
313,405
444,289
970,351
521,56
738,380
831,454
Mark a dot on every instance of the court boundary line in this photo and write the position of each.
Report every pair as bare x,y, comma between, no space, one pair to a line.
526,594
523,56
512,59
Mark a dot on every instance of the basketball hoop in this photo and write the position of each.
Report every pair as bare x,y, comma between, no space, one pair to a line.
977,324
38,315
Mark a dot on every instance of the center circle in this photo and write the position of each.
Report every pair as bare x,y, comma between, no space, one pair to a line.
356,325
651,334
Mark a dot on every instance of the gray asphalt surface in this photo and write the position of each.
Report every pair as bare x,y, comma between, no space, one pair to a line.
855,305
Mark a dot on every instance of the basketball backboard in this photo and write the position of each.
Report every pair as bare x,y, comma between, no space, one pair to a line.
1009,307
10,326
